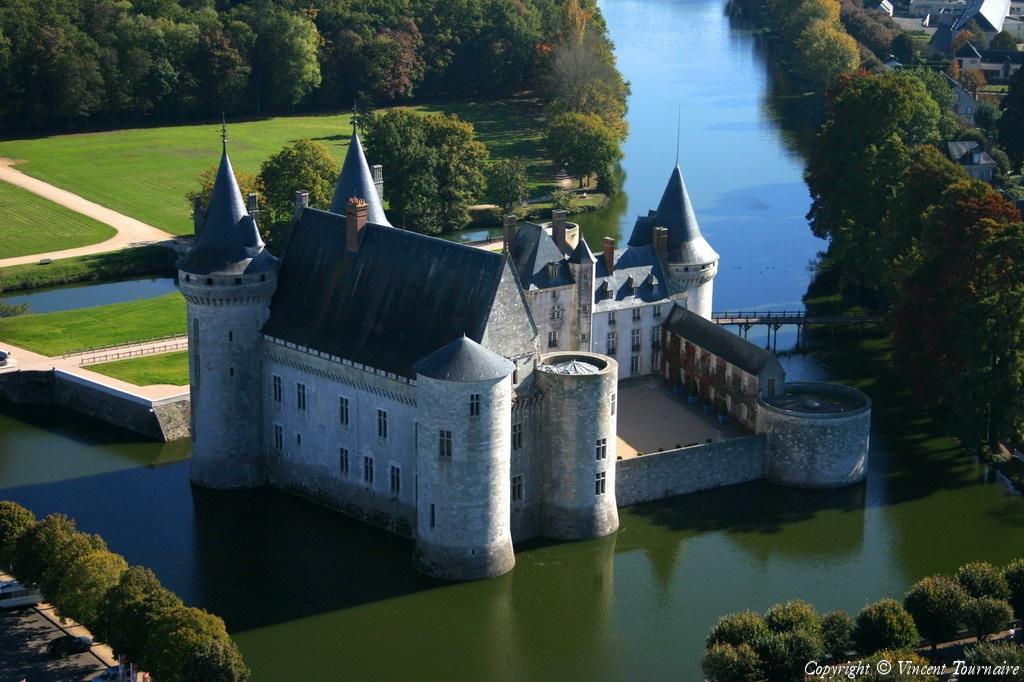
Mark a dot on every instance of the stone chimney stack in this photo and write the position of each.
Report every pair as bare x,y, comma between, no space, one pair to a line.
558,228
377,171
198,215
301,202
355,221
609,253
508,225
252,204
661,242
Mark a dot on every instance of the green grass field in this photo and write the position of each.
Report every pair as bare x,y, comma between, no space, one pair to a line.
145,173
112,265
168,368
107,325
31,224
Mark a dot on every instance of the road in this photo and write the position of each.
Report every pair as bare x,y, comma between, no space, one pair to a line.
130,232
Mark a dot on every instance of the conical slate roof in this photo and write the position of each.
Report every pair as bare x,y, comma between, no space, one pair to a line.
686,244
357,181
229,242
582,253
466,361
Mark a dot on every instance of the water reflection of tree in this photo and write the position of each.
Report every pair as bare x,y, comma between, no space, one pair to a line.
796,113
608,222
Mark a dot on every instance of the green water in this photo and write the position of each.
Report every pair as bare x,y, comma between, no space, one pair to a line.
312,595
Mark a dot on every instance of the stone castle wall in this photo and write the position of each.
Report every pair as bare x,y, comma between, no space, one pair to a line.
687,470
162,420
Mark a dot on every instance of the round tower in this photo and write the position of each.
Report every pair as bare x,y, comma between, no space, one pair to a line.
816,435
463,463
578,449
228,279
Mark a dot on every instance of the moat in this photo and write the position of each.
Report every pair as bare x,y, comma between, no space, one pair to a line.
310,594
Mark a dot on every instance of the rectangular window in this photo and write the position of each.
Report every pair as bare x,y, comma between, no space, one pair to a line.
444,444
517,488
554,295
586,309
368,470
602,448
636,314
655,337
557,312
611,319
657,312
474,405
298,439
634,338
382,424
613,404
611,343
433,516
343,460
278,438
300,396
583,339
634,364
395,482
278,392
599,482
231,337
517,436
343,411
552,339
654,361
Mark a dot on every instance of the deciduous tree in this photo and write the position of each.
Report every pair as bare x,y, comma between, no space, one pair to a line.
15,521
89,579
45,553
507,184
582,144
305,165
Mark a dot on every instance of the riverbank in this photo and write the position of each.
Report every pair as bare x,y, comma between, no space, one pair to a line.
101,267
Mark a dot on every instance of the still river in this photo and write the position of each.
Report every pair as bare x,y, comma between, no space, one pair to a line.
311,595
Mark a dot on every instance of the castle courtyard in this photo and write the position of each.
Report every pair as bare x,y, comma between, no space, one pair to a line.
650,419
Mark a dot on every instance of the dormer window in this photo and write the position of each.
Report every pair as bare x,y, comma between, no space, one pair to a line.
552,270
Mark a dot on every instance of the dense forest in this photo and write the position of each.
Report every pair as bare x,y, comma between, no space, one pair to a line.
69,64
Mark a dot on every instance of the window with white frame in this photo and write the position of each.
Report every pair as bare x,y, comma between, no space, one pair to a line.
637,313
634,337
602,449
600,482
611,319
657,312
474,405
634,364
444,444
343,411
382,424
300,396
557,312
552,339
611,343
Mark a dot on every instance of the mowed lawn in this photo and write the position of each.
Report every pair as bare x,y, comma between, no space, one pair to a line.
145,173
167,368
107,325
30,224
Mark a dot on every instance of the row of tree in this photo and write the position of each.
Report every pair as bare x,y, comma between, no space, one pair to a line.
748,647
909,227
68,63
125,606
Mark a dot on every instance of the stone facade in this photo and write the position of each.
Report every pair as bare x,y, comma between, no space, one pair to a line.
812,445
688,470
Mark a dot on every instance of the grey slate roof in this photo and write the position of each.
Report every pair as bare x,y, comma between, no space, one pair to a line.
230,242
532,248
1002,56
718,340
686,244
399,299
464,360
582,254
357,181
637,265
989,14
572,367
960,151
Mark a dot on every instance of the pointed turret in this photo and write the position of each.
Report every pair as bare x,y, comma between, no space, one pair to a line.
582,253
356,180
229,242
686,244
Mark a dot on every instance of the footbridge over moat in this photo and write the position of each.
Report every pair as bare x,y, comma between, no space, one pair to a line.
774,320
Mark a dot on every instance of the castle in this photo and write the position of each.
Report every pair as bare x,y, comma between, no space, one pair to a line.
461,397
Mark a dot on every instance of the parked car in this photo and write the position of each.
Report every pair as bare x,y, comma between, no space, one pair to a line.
14,595
67,645
4,355
108,675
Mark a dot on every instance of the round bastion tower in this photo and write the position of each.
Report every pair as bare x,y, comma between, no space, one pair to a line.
463,463
228,279
578,451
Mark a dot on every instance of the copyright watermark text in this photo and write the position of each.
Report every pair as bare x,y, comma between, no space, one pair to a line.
854,669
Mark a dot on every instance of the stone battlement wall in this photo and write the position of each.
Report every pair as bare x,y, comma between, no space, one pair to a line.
163,420
701,467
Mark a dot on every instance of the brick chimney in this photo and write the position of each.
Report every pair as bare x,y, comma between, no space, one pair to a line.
558,228
301,202
198,215
661,242
508,225
609,253
252,204
355,221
